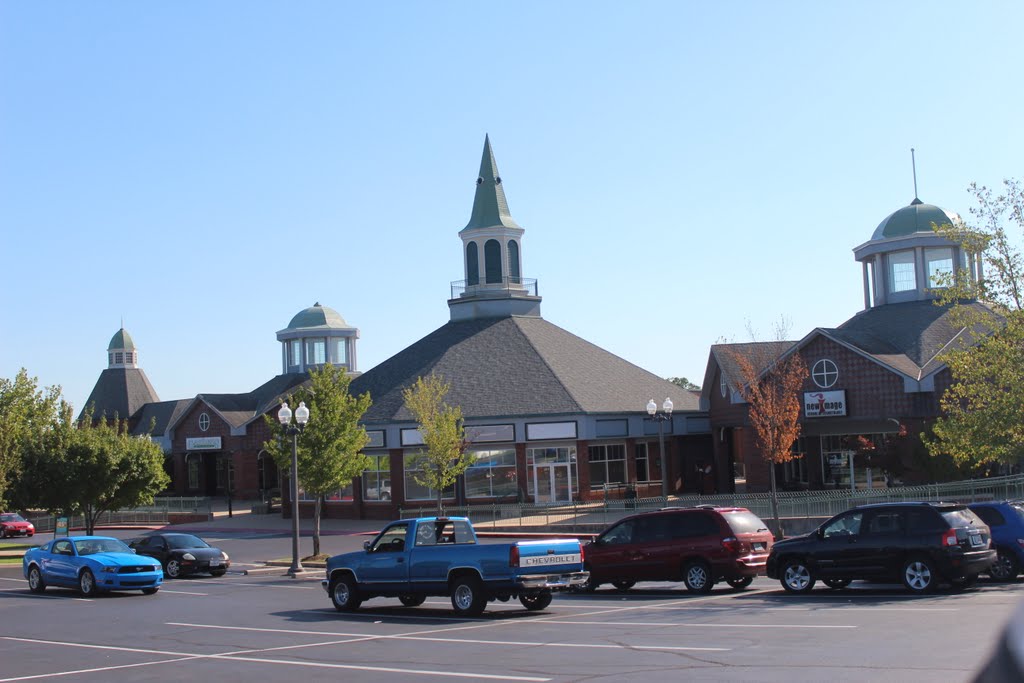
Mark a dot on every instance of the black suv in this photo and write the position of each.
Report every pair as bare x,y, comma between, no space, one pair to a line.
918,544
699,546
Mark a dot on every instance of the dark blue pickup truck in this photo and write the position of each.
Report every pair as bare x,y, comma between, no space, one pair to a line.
413,558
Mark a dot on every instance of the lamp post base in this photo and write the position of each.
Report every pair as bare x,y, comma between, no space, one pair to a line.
296,571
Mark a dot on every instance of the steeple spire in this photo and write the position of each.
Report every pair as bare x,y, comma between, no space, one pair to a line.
489,205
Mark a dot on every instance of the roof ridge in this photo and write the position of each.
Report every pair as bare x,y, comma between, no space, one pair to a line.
544,360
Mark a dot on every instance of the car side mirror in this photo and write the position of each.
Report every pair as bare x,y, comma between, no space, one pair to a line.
133,550
366,546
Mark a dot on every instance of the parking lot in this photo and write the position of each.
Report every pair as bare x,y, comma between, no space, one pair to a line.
270,628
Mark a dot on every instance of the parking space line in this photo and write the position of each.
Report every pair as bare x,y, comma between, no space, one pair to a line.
164,590
693,624
465,641
96,670
26,594
228,656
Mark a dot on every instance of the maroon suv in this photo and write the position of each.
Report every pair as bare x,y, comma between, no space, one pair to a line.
699,546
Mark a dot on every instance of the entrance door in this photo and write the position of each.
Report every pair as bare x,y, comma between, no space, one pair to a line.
552,483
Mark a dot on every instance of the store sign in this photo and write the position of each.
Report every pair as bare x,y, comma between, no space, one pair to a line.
203,443
824,403
837,459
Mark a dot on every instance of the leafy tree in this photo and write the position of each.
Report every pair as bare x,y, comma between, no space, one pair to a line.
684,383
329,447
983,409
90,467
444,438
771,387
26,413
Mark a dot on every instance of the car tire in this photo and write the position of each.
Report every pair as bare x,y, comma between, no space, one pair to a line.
536,602
150,591
836,584
741,582
796,577
1005,568
218,572
86,583
919,575
697,577
412,600
35,580
172,568
468,599
344,594
623,586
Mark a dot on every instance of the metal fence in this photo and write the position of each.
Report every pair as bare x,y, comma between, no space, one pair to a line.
157,513
584,517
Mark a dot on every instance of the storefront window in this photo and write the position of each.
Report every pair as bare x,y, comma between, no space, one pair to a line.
549,469
642,470
493,473
607,464
343,495
415,490
377,478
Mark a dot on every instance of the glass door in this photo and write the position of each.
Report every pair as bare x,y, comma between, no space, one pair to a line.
552,483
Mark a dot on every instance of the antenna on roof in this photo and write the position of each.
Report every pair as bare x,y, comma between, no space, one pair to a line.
122,322
913,164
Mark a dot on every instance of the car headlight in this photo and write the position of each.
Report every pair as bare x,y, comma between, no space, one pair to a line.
155,567
224,555
188,556
109,570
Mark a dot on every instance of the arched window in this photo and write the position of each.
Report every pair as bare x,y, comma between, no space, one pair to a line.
492,261
513,262
472,265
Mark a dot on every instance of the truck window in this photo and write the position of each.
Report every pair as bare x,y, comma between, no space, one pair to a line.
392,540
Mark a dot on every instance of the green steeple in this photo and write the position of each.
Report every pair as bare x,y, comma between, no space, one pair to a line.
489,205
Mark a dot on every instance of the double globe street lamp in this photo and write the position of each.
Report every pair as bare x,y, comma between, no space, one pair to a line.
284,416
660,418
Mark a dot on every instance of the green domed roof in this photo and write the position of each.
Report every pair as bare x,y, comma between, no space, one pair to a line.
317,316
121,340
918,217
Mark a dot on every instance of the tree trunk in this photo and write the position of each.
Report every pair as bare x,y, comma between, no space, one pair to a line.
440,507
316,524
777,531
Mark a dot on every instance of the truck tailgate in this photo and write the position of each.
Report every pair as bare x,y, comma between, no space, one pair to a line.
549,556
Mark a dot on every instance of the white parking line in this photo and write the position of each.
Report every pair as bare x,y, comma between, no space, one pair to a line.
692,624
228,656
164,590
26,594
516,643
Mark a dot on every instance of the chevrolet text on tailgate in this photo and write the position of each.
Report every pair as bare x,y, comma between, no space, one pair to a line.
413,558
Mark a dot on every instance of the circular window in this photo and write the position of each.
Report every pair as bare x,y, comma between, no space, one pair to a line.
204,422
825,373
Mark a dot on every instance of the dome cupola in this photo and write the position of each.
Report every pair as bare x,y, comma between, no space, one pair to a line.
121,352
315,336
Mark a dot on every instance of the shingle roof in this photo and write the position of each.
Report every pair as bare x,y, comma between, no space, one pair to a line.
512,367
906,337
122,391
237,409
163,413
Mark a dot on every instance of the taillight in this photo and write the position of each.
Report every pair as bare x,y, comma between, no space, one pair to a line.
513,556
949,538
731,544
581,552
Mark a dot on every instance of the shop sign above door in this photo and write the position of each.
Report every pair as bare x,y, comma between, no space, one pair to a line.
825,403
203,443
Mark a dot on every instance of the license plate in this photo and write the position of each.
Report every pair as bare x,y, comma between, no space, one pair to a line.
214,563
976,539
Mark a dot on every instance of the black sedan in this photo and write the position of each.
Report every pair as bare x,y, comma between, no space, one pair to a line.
183,554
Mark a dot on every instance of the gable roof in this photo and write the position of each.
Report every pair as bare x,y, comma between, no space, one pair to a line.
239,409
515,367
725,356
120,391
161,414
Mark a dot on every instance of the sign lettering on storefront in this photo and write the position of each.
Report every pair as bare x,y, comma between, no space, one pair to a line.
825,403
203,443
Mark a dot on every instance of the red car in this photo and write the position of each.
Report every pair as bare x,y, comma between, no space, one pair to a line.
699,546
13,524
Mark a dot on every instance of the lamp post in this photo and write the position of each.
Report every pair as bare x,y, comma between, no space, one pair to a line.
661,418
284,416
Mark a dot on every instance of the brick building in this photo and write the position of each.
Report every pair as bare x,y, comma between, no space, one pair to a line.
875,381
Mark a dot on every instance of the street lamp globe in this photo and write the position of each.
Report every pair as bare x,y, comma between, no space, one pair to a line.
666,406
284,416
302,413
652,407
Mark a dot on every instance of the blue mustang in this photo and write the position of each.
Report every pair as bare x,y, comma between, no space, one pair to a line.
92,564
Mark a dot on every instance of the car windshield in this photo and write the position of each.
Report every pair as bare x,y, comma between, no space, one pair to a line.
182,541
744,522
91,546
11,517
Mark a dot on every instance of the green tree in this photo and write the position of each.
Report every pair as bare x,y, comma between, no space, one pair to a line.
983,409
90,467
26,414
329,447
684,383
444,457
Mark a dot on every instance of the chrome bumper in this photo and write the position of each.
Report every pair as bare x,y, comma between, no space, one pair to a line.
552,580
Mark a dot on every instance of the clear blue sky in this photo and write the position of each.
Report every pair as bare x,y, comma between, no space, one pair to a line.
205,170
